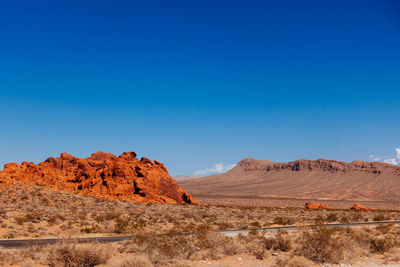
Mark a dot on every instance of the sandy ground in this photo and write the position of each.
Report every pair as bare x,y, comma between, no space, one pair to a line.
290,202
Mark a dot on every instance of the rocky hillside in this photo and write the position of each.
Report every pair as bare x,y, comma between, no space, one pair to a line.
306,179
102,175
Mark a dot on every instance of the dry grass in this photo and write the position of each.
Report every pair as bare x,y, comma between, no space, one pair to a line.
298,248
29,211
129,260
69,254
295,261
393,254
172,247
322,245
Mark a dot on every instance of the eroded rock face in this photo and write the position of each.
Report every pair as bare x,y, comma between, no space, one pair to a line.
334,166
316,206
359,207
101,175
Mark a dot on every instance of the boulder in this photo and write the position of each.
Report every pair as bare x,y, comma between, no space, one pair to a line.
359,207
316,206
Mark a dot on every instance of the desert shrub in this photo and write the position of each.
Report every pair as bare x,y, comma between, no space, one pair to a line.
9,257
107,216
224,225
361,237
283,220
357,216
69,254
10,235
233,247
31,228
216,244
283,244
204,243
139,223
258,252
253,244
384,228
319,219
255,224
130,260
332,217
344,219
278,243
379,217
121,225
92,229
52,220
163,248
25,218
381,245
321,245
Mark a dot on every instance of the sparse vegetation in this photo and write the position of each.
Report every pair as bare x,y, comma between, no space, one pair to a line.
159,230
322,245
69,254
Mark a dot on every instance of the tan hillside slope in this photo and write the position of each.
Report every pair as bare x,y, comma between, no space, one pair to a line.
306,179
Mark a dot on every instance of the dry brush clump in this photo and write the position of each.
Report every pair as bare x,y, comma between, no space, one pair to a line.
175,246
70,254
338,245
257,244
322,245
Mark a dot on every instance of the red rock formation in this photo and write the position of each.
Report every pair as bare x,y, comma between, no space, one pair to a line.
359,207
101,175
316,206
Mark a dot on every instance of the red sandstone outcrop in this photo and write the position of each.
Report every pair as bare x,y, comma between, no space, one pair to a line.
101,175
316,206
359,207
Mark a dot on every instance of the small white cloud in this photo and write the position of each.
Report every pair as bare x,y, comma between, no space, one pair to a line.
374,158
391,161
394,161
217,168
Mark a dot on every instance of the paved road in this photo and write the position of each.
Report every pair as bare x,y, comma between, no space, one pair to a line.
20,243
291,228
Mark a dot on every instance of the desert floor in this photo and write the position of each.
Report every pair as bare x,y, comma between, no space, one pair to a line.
31,212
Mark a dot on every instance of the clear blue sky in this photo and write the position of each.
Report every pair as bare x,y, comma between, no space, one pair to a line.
195,83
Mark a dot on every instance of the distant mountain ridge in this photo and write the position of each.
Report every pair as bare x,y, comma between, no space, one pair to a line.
185,177
314,179
320,164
